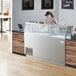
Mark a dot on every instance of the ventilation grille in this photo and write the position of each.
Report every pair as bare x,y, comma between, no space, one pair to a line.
29,51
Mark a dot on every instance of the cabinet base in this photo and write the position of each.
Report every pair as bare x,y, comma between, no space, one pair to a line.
70,65
19,53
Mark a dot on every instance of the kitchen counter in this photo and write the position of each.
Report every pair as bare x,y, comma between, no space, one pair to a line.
70,38
70,52
18,42
45,46
46,42
17,31
45,35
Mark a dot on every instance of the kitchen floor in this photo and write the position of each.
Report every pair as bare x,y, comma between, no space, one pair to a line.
16,65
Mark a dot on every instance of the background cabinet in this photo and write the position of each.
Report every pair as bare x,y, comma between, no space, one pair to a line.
71,53
18,42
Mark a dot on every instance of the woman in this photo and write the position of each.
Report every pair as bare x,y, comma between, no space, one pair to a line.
50,18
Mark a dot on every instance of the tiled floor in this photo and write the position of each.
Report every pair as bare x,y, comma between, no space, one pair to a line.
16,65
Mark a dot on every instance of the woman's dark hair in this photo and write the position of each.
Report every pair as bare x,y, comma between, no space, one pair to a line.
49,13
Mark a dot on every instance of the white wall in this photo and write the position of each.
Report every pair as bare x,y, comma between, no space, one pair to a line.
21,16
68,16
